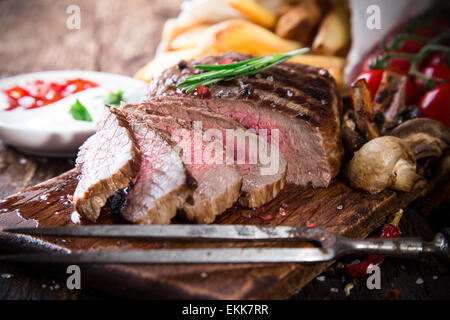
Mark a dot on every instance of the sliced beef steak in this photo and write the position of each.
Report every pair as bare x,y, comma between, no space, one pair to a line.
303,103
262,180
108,161
163,183
219,184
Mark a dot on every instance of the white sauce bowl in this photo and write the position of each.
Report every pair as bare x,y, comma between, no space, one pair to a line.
51,130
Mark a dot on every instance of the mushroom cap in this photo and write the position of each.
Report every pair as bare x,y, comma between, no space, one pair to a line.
373,165
424,137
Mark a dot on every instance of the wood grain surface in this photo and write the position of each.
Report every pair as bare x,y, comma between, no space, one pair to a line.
338,209
121,36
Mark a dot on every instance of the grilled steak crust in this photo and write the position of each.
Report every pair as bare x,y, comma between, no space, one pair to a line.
301,101
259,186
163,183
219,184
108,161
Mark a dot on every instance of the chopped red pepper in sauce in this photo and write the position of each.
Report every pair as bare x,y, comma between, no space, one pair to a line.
40,93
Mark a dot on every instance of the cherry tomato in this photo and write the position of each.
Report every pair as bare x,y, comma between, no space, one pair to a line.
425,31
442,22
370,60
373,79
410,46
433,59
435,104
400,66
440,71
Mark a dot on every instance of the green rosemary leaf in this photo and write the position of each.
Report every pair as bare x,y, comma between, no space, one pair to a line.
225,66
215,73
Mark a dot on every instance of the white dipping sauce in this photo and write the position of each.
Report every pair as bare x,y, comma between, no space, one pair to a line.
51,130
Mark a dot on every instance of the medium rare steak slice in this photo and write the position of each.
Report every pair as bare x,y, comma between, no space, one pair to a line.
163,183
108,161
303,103
262,181
219,184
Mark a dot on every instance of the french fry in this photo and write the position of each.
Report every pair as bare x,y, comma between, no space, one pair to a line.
255,12
333,37
245,37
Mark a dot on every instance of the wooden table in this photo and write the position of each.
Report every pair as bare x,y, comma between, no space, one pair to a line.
119,37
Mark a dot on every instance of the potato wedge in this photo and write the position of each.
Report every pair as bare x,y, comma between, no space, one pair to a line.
334,65
164,61
255,12
333,37
173,28
300,22
189,39
245,37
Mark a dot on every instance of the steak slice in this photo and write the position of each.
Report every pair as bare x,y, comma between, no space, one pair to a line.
163,183
108,161
261,181
302,102
219,184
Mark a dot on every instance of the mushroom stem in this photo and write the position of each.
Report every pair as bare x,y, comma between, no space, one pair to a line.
405,176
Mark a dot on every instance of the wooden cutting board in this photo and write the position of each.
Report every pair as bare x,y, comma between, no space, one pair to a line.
338,209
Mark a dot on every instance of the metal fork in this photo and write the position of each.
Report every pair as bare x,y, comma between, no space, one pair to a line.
331,246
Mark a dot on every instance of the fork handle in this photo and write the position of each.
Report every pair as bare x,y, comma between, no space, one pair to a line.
402,247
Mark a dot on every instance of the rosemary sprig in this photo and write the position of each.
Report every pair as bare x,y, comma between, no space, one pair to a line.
223,72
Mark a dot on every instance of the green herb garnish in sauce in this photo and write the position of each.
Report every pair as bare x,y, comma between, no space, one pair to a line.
114,98
79,112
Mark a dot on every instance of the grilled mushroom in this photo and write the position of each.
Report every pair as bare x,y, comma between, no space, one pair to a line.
384,162
390,98
425,137
351,137
364,113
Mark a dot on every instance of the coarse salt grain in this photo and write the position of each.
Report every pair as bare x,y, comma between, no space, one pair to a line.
321,278
75,217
